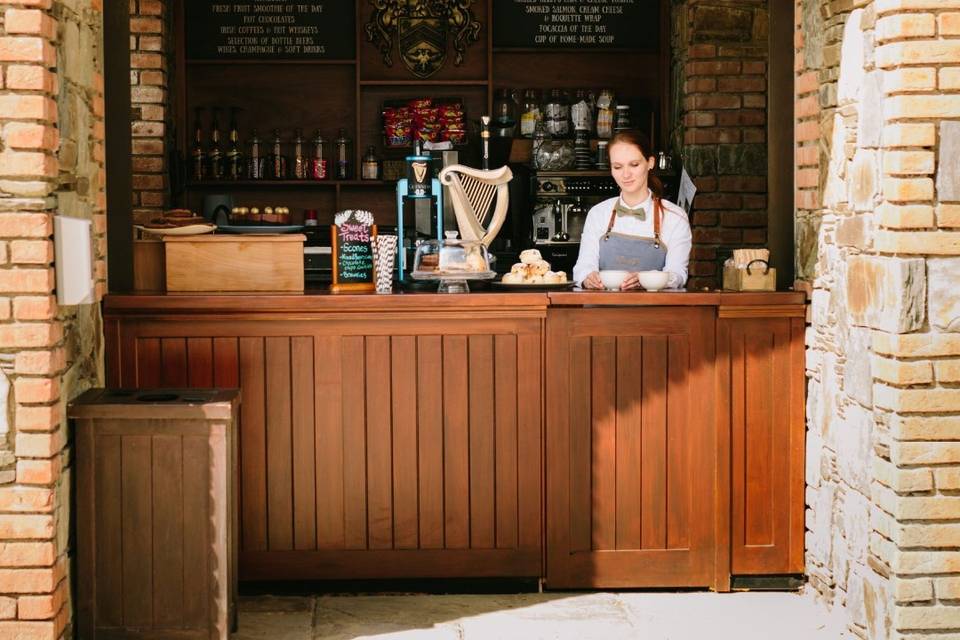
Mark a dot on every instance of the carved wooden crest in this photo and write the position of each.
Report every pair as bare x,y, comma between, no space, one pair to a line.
422,29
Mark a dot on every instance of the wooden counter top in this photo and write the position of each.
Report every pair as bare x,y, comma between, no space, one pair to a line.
323,302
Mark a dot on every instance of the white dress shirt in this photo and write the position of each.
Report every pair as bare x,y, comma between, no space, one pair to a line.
675,235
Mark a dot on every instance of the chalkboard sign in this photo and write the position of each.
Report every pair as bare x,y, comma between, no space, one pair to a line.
270,30
350,237
574,24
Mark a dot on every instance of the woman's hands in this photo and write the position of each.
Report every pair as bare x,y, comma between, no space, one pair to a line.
592,281
630,282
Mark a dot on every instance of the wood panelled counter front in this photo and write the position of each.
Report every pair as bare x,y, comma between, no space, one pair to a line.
415,435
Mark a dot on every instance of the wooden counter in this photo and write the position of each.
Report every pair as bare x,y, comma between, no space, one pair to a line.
415,435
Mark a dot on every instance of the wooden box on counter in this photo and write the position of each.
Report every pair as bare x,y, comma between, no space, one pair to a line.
234,263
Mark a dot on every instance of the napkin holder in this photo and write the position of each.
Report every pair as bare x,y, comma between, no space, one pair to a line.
757,276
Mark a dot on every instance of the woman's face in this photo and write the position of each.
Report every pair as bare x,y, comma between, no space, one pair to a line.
630,168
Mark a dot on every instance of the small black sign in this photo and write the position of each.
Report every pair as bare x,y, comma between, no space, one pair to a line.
352,254
576,24
270,30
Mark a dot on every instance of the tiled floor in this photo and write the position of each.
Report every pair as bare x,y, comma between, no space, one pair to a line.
554,616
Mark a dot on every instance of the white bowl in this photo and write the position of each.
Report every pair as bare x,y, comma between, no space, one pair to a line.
653,280
612,279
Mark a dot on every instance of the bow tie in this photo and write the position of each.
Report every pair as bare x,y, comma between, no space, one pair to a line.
639,213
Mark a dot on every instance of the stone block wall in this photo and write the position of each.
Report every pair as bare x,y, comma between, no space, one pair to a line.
878,212
150,101
720,69
51,161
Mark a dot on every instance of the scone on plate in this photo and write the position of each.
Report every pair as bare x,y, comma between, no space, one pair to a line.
530,256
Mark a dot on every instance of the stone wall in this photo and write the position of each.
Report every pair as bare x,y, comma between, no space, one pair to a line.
51,161
878,177
720,67
149,98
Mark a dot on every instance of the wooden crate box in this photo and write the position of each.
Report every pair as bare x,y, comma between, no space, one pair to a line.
234,262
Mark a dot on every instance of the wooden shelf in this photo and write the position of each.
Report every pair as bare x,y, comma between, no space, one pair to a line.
423,83
344,61
273,184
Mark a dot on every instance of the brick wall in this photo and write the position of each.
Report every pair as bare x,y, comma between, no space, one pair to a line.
721,66
878,212
51,161
149,99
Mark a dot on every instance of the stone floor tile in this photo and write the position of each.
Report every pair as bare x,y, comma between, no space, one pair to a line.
276,603
274,625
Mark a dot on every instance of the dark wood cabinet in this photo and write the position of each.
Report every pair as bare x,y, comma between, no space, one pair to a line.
764,368
630,447
400,443
630,440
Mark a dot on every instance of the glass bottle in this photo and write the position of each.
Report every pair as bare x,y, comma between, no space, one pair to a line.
531,113
197,156
343,155
606,106
234,157
370,165
504,114
299,160
255,158
214,154
557,114
318,160
276,161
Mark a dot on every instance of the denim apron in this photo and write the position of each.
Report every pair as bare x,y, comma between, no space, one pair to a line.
633,253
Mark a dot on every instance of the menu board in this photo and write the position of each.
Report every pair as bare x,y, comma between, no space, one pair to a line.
350,238
576,24
270,29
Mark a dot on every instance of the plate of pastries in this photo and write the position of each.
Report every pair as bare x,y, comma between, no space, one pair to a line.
534,273
177,222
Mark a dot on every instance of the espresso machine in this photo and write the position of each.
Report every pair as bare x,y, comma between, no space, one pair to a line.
561,202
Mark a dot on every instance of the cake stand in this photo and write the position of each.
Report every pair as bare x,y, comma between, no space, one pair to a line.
453,281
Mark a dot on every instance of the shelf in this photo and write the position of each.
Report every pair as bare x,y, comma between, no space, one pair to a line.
423,83
341,61
274,184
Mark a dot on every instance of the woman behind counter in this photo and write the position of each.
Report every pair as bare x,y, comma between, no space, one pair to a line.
638,230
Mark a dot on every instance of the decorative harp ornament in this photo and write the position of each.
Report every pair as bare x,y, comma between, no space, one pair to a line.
480,200
421,28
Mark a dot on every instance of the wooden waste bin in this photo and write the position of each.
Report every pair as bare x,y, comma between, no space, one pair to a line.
156,513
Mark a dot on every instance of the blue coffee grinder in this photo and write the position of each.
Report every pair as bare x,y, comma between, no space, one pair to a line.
419,195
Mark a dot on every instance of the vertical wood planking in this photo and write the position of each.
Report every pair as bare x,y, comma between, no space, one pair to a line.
737,435
148,363
529,426
200,362
279,444
354,443
226,364
304,456
403,362
758,440
654,419
136,523
456,442
679,469
168,531
108,509
196,522
253,446
173,362
481,430
329,445
505,418
379,442
630,429
581,386
604,438
780,437
430,443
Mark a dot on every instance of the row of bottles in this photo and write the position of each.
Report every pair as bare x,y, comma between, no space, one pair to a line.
561,112
273,159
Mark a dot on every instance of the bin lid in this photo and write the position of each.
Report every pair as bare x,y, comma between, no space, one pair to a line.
204,404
